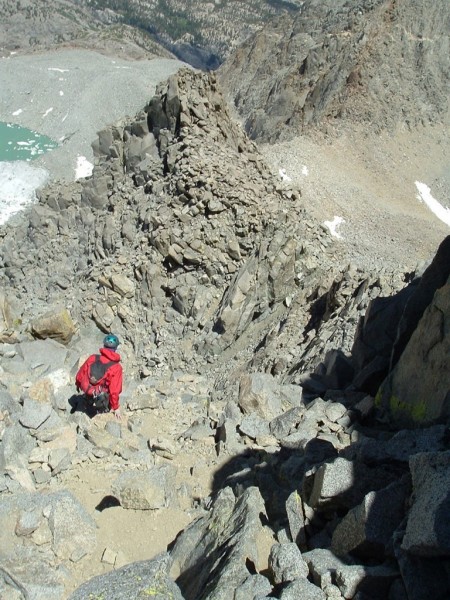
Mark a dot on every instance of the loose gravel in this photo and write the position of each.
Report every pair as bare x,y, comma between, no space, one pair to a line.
71,94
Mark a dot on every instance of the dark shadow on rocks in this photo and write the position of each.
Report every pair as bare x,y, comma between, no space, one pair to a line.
442,532
382,333
276,475
107,502
76,403
79,403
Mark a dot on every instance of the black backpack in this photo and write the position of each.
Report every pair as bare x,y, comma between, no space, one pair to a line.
97,370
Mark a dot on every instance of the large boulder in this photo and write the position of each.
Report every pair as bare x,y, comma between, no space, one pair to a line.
145,579
226,536
367,529
428,526
56,324
145,490
417,389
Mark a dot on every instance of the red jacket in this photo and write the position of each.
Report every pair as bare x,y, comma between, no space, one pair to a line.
110,383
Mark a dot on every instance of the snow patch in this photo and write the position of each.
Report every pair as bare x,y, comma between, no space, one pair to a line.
442,213
305,170
333,225
17,112
59,70
49,110
18,182
84,168
61,93
284,176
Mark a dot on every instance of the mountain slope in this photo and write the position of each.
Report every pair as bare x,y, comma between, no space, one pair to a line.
381,63
28,25
198,32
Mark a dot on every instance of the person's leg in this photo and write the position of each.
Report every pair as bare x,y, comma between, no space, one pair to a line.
102,402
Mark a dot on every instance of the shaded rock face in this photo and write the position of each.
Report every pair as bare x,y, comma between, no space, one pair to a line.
416,396
380,62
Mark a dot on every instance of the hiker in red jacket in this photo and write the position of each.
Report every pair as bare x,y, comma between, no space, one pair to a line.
100,377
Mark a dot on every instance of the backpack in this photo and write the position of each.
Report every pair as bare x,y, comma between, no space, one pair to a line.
97,370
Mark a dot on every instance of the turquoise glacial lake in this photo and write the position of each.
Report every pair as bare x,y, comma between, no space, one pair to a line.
20,143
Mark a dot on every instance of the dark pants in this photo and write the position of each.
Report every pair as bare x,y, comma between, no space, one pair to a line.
101,402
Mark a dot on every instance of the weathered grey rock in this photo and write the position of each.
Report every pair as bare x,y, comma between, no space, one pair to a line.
254,426
401,446
260,393
145,490
331,480
96,190
428,528
59,460
227,436
73,529
15,449
122,285
10,589
254,587
434,277
8,404
345,483
299,439
374,581
56,324
323,565
32,577
43,356
42,475
228,533
6,319
372,348
296,519
423,577
200,429
163,447
50,429
286,563
147,578
150,399
282,425
302,588
103,316
28,522
367,529
334,411
34,414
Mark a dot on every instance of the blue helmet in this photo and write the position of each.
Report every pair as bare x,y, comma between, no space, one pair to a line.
111,341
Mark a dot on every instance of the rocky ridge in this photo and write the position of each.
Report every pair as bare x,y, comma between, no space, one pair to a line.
237,312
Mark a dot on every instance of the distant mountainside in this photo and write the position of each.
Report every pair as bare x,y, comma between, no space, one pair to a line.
43,24
200,33
381,62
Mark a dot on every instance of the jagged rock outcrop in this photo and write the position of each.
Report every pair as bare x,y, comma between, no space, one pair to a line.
379,62
181,229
